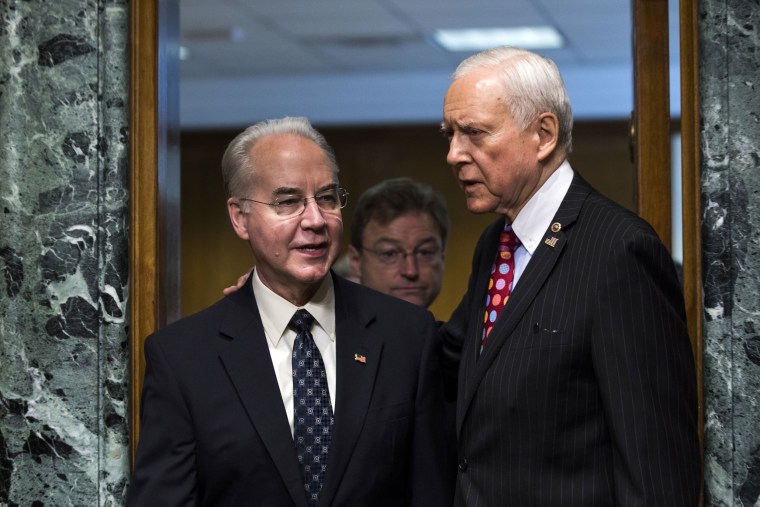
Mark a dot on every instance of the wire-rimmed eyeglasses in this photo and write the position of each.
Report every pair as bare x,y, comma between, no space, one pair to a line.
293,205
397,256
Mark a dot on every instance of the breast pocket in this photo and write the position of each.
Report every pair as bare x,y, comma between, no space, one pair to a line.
387,413
539,335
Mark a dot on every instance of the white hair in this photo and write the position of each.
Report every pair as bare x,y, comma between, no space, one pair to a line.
532,85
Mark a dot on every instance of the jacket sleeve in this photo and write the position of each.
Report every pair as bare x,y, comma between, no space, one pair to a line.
644,364
454,332
164,472
432,480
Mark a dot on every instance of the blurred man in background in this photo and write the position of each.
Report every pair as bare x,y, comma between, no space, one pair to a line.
398,240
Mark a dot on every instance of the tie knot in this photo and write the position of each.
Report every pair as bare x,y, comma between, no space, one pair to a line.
301,321
508,240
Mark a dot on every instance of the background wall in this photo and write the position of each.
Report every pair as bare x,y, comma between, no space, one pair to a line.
213,257
64,239
729,69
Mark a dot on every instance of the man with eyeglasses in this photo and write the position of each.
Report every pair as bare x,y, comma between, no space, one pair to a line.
398,236
301,388
398,240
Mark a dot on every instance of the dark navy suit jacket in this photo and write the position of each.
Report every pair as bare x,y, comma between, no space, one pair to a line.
214,430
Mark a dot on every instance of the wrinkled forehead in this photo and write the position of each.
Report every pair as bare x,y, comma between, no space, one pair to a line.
471,99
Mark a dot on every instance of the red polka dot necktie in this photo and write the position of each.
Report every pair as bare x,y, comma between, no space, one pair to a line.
502,277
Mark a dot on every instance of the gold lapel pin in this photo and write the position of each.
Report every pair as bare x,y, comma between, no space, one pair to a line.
552,242
360,358
556,227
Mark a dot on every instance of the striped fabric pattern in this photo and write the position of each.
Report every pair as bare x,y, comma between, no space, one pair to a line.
586,392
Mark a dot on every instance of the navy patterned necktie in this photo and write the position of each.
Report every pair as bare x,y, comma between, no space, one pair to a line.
313,415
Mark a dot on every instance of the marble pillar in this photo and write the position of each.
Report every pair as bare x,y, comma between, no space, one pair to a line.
63,252
729,70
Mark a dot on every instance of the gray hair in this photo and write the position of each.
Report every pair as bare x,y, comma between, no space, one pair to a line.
532,85
237,166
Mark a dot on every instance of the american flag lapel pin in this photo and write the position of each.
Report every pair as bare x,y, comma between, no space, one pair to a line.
360,358
552,242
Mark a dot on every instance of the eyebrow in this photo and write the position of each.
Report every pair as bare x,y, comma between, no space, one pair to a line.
462,125
293,190
395,242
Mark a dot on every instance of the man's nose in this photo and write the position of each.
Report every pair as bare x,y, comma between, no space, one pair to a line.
312,214
409,266
457,153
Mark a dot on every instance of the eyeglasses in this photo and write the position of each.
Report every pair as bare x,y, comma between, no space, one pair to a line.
293,205
397,256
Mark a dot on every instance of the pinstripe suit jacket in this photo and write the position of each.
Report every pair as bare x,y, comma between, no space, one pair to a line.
585,394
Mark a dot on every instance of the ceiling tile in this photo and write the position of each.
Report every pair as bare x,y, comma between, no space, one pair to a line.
240,41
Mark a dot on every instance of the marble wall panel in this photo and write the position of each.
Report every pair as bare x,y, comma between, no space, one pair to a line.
63,252
729,69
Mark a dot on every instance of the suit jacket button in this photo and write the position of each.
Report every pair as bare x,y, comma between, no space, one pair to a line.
462,465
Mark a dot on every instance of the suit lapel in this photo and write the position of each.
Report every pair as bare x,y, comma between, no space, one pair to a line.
531,282
358,357
471,349
243,351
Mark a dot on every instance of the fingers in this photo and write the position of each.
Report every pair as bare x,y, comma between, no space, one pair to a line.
232,288
229,290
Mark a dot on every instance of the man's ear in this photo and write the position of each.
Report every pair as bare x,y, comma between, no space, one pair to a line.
354,262
548,131
237,218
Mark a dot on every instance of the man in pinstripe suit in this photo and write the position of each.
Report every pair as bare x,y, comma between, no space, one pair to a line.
584,393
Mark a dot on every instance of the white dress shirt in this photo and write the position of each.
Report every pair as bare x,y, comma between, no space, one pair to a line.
276,313
537,214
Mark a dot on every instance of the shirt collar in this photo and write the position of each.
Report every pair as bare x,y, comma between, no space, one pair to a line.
276,311
536,216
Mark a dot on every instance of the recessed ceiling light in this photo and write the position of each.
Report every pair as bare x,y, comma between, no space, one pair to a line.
478,39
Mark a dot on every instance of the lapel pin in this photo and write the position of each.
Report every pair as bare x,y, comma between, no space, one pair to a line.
360,358
556,226
552,242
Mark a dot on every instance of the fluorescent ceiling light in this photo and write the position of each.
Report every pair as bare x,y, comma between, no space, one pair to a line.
478,39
